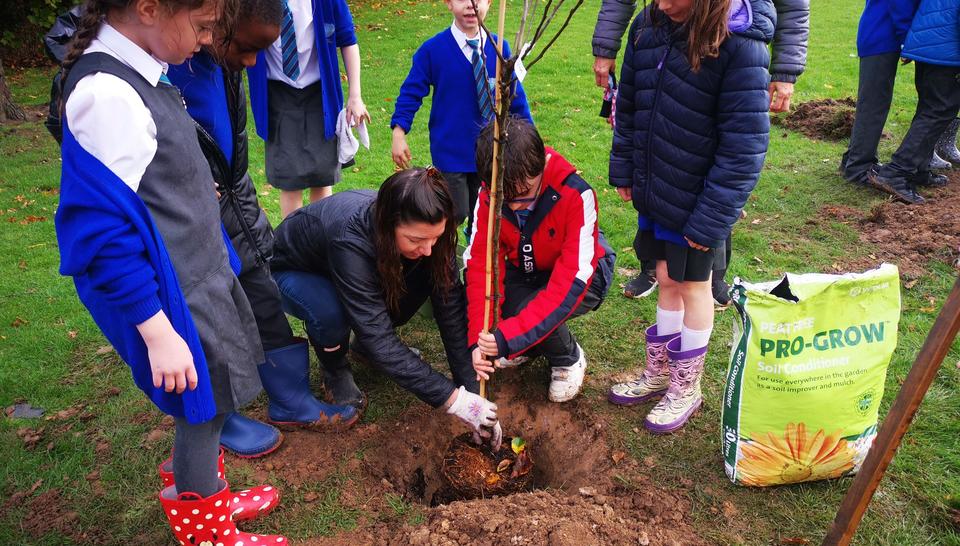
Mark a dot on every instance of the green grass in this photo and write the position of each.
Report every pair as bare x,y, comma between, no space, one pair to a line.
49,346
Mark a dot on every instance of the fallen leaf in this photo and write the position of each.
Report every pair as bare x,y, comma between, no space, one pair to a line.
729,510
155,436
310,496
72,334
22,264
910,284
102,350
504,464
18,322
617,456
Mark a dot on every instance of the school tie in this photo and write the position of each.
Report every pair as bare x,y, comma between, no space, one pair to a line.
480,79
164,79
288,45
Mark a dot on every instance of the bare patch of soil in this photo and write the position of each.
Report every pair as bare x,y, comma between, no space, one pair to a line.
581,492
46,513
910,236
822,119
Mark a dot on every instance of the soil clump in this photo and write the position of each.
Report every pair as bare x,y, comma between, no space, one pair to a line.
821,119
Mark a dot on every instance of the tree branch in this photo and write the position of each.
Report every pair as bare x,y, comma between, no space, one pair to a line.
557,35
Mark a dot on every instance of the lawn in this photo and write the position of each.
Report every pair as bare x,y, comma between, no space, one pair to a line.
84,473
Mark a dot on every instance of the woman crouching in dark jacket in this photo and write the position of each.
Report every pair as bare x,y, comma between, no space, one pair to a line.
367,261
691,133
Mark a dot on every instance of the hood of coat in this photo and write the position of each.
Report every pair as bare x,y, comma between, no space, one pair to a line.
756,19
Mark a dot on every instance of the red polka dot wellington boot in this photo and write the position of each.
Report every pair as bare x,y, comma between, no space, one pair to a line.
196,521
247,503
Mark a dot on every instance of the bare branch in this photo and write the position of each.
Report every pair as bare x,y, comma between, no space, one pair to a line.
518,41
543,18
486,32
555,36
549,18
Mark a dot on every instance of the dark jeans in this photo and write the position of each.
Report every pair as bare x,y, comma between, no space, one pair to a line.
559,347
313,299
938,101
264,297
874,95
464,188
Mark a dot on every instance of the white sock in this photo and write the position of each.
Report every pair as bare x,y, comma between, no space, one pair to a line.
668,322
694,339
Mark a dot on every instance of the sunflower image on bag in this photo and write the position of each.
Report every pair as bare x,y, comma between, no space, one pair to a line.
806,375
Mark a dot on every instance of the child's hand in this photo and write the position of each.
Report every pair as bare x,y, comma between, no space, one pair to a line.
481,365
170,359
696,246
399,149
356,112
487,343
625,193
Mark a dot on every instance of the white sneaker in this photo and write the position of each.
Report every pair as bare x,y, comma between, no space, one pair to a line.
513,362
565,382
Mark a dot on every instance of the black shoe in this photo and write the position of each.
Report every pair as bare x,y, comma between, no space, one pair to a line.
897,186
721,292
640,286
929,180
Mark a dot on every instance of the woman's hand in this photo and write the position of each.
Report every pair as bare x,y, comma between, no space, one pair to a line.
625,193
602,68
696,246
170,359
780,93
356,112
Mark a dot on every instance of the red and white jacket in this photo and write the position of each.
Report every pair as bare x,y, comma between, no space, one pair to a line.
560,241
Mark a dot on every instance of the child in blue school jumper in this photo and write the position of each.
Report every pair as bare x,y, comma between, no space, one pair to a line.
139,230
212,86
296,97
457,63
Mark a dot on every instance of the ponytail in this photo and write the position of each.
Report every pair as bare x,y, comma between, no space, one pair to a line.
93,14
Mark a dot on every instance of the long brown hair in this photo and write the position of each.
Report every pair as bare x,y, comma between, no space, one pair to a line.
95,11
706,28
413,195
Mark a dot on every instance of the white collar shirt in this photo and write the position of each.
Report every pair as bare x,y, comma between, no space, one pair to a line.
107,116
462,38
305,29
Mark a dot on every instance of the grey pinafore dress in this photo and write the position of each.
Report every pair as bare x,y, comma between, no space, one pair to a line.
179,192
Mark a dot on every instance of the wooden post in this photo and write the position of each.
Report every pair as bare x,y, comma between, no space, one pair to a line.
898,419
493,218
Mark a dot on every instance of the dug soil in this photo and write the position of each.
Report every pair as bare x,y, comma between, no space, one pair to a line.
821,119
581,493
911,236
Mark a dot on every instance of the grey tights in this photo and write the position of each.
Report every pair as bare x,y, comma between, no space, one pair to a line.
195,452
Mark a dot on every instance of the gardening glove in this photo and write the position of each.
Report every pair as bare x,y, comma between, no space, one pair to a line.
476,412
496,436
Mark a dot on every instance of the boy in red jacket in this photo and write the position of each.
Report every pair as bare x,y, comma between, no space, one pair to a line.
555,264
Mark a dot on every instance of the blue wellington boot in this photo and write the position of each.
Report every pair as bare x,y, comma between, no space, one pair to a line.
286,378
248,438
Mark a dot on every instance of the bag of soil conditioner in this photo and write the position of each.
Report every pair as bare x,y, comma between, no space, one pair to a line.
806,375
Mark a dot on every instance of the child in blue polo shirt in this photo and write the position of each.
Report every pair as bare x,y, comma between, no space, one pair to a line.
453,64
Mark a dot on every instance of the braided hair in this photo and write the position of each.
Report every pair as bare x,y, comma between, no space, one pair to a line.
95,11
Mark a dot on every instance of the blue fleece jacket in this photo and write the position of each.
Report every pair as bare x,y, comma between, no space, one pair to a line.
934,36
113,250
884,25
200,81
333,29
455,119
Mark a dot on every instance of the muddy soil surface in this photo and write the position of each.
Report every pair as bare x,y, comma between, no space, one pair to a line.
821,119
911,236
580,493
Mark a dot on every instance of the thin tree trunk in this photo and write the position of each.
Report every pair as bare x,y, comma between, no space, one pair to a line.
8,110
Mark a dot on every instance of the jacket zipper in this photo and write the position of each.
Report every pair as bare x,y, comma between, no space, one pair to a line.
653,111
232,197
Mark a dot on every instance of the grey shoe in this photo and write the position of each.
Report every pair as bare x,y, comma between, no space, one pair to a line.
946,147
937,163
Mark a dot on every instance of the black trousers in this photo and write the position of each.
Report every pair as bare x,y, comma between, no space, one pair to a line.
264,297
464,188
938,101
560,347
874,95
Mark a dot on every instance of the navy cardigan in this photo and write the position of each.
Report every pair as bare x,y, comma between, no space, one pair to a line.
691,144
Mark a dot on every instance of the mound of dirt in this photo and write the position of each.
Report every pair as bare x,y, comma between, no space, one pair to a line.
822,119
908,235
550,517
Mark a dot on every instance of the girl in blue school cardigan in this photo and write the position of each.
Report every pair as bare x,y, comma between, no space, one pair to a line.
296,97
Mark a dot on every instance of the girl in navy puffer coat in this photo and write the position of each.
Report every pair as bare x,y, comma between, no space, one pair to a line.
691,133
